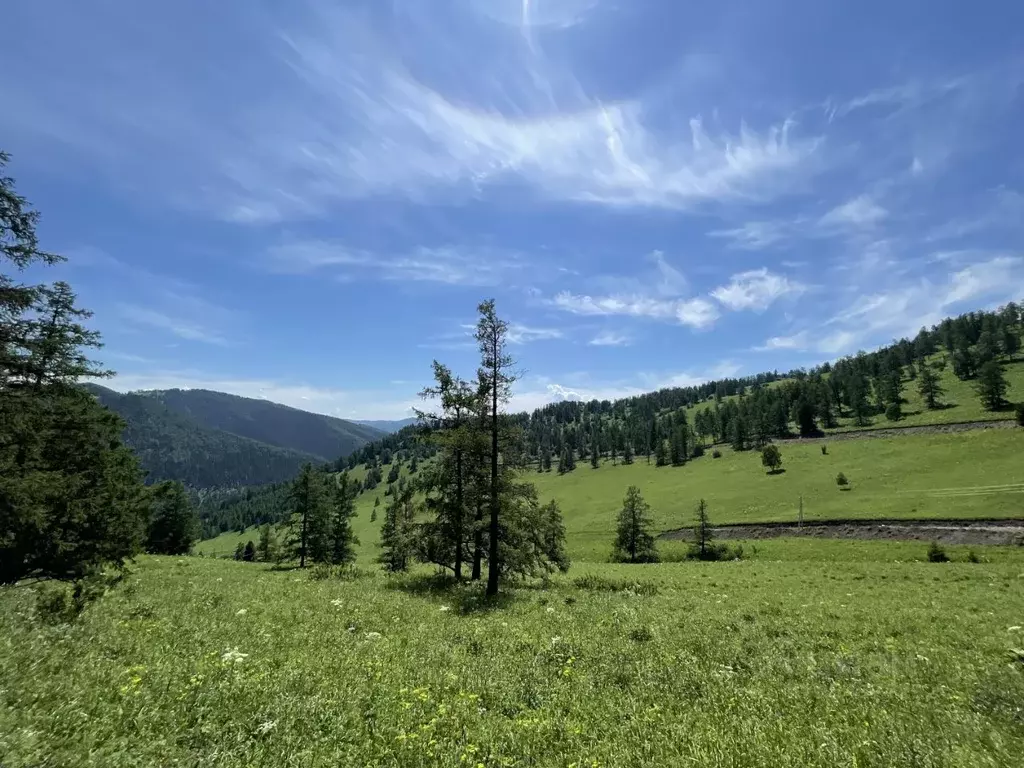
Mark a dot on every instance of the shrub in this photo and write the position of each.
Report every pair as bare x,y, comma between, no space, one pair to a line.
59,602
716,454
824,449
936,554
893,412
1020,414
972,557
841,480
641,634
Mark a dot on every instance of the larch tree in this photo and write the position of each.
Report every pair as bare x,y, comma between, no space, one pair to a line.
343,505
992,386
496,367
928,386
308,525
634,542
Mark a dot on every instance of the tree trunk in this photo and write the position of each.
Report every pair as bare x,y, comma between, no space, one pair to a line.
458,514
478,542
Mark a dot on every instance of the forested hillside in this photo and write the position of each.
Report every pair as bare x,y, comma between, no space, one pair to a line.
171,446
272,423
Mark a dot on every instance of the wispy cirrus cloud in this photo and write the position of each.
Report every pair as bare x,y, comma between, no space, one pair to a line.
611,339
904,309
696,312
756,290
467,266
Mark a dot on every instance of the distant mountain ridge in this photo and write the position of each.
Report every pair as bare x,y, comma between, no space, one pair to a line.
212,439
385,425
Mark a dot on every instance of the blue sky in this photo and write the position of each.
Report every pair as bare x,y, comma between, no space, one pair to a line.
305,201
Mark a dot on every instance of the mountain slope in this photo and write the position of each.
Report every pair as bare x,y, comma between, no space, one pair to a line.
270,423
171,446
388,426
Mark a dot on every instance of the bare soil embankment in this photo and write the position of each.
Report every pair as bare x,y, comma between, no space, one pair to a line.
996,532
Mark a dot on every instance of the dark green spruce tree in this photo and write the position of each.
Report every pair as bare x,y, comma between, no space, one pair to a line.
633,540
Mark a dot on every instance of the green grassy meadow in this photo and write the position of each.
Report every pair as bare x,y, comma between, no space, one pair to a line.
196,661
976,474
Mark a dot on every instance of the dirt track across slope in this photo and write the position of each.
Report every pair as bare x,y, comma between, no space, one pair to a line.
924,429
1004,532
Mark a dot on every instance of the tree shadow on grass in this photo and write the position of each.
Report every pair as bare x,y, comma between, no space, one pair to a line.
464,598
779,471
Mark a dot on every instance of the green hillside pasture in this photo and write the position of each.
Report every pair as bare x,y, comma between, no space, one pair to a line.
201,662
975,474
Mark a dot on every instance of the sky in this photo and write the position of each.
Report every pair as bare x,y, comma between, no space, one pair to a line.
306,201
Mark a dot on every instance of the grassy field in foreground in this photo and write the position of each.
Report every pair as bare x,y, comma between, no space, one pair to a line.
971,474
208,662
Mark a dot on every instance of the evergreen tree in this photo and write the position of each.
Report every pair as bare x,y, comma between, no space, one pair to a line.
342,540
677,450
633,540
71,496
771,457
174,525
239,551
627,453
661,454
992,386
740,436
928,386
496,366
397,535
249,553
267,546
703,547
308,526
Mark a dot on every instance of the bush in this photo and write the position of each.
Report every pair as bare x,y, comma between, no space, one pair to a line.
936,554
716,454
59,602
893,412
972,557
1020,414
824,450
841,480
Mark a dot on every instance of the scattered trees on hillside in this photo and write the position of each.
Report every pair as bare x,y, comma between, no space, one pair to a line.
319,528
71,495
634,542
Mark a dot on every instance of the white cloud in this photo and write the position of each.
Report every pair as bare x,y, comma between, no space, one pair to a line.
481,267
183,328
696,312
610,339
755,235
861,211
524,334
756,290
877,318
352,117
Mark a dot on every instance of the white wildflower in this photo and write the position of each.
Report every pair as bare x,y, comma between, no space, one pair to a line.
241,612
445,608
925,659
556,640
373,635
219,579
233,656
337,602
352,628
1014,629
266,727
550,609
